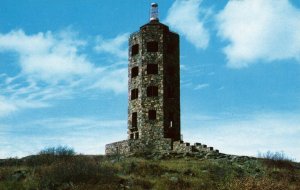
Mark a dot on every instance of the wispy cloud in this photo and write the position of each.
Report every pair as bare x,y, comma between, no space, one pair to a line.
184,16
247,134
19,93
46,56
6,107
53,66
259,30
80,133
116,46
115,80
201,86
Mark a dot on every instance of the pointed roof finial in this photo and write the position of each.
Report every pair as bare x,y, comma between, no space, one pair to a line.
154,12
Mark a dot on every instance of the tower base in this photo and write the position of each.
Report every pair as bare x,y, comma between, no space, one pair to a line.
162,146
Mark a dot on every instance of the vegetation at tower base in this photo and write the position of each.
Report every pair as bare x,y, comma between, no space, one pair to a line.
152,171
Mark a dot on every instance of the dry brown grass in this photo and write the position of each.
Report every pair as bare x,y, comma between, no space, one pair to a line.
84,173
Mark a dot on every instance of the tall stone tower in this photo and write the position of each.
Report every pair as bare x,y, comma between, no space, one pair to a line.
153,93
154,82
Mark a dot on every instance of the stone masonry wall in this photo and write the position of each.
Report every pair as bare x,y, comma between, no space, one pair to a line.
162,134
131,147
138,147
167,103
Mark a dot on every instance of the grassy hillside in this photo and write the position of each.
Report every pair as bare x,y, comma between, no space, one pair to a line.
49,172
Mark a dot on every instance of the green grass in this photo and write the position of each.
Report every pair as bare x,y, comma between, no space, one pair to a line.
100,172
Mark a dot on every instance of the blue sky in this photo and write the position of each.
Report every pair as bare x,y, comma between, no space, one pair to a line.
63,73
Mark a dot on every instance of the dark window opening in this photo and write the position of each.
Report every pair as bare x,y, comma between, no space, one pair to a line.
135,49
131,136
136,135
152,115
152,46
171,120
152,69
152,91
134,120
134,72
134,94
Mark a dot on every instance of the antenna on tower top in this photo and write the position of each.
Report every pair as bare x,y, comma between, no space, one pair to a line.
154,12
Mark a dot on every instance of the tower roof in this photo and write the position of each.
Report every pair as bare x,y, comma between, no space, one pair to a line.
154,23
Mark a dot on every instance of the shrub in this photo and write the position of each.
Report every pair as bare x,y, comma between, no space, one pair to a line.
76,170
264,183
277,159
143,168
58,151
49,155
276,156
10,162
174,183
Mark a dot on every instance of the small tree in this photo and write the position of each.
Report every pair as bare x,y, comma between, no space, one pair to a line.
276,156
58,151
277,159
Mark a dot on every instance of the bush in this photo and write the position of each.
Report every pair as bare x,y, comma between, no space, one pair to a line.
250,183
10,162
277,159
174,183
49,155
76,170
276,156
58,151
143,168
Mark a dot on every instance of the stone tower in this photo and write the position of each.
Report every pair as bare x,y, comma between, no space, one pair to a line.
154,82
153,93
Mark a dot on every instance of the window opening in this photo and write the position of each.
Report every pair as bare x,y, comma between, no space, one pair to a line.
134,72
152,115
131,136
135,49
171,120
152,46
152,69
134,120
136,135
134,93
152,91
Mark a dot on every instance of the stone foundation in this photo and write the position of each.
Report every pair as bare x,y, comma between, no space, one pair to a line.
165,145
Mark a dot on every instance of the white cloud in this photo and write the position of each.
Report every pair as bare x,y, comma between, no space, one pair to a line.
80,133
80,123
115,80
6,107
201,86
116,46
184,16
52,67
46,56
19,93
259,30
247,135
